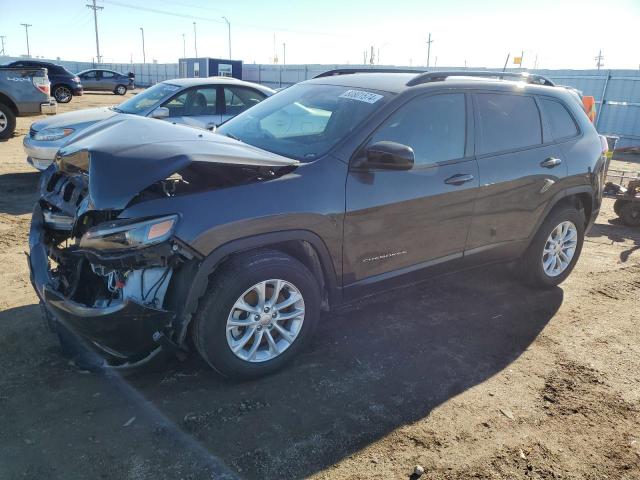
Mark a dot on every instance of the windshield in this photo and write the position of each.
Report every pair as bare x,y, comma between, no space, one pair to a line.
143,101
304,122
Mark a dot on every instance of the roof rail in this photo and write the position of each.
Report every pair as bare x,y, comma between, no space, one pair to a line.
440,76
348,71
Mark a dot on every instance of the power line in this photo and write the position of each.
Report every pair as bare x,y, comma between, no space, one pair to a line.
95,9
214,20
26,30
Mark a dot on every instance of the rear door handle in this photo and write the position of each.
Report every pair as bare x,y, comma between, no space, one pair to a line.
459,179
551,162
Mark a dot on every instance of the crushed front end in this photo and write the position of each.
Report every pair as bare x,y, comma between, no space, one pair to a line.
103,278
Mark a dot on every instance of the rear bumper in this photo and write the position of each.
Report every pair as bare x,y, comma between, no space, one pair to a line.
122,332
50,108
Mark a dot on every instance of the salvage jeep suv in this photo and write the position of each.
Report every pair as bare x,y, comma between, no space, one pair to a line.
150,237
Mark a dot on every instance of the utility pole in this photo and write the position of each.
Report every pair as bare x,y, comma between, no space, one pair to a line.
429,42
599,60
184,47
95,9
26,30
195,39
372,57
521,58
284,53
229,31
2,37
506,62
144,55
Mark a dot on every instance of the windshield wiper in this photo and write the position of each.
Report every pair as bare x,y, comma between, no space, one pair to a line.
231,135
116,109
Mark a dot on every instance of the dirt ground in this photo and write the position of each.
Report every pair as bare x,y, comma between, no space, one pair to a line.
470,376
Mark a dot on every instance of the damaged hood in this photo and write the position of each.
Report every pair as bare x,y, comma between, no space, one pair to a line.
125,154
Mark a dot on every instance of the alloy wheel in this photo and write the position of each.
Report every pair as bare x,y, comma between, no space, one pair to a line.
63,94
559,249
4,121
265,320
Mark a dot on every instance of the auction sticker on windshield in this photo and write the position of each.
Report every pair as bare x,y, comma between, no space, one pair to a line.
361,96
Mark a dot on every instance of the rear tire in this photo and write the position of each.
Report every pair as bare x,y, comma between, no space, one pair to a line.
618,204
120,90
235,282
630,214
62,94
553,254
7,122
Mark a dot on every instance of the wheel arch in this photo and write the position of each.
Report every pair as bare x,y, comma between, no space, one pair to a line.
303,245
9,103
582,198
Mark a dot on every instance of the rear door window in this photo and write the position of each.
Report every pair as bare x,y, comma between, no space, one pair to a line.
507,122
560,120
238,99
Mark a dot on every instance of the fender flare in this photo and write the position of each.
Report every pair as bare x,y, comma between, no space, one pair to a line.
208,265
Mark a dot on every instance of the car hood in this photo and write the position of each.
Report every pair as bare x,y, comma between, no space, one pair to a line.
75,119
126,154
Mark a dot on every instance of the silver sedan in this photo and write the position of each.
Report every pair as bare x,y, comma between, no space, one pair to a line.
197,102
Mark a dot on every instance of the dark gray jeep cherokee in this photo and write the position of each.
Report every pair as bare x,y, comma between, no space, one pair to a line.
150,237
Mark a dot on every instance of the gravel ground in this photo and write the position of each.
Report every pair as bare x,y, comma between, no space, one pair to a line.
470,376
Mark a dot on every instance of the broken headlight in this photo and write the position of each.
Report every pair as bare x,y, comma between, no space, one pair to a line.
119,236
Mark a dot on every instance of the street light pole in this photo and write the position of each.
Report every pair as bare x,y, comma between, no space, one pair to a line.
26,30
284,53
229,31
429,42
195,39
2,37
144,55
184,47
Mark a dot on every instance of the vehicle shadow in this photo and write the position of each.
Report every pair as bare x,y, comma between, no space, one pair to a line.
18,192
616,231
380,365
383,363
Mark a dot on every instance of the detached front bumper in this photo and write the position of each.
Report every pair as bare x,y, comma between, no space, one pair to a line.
123,332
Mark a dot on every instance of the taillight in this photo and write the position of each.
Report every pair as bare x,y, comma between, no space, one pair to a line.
42,84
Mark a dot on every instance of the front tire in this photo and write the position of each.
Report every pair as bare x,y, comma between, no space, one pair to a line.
7,122
62,94
555,249
120,90
259,311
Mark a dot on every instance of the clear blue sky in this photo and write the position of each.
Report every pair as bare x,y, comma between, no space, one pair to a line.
561,33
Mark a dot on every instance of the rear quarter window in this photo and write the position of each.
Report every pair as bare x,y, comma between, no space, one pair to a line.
507,122
562,124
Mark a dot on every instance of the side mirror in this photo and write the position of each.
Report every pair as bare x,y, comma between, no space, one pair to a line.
387,156
160,112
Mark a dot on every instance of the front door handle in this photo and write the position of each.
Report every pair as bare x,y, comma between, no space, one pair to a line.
551,162
459,179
